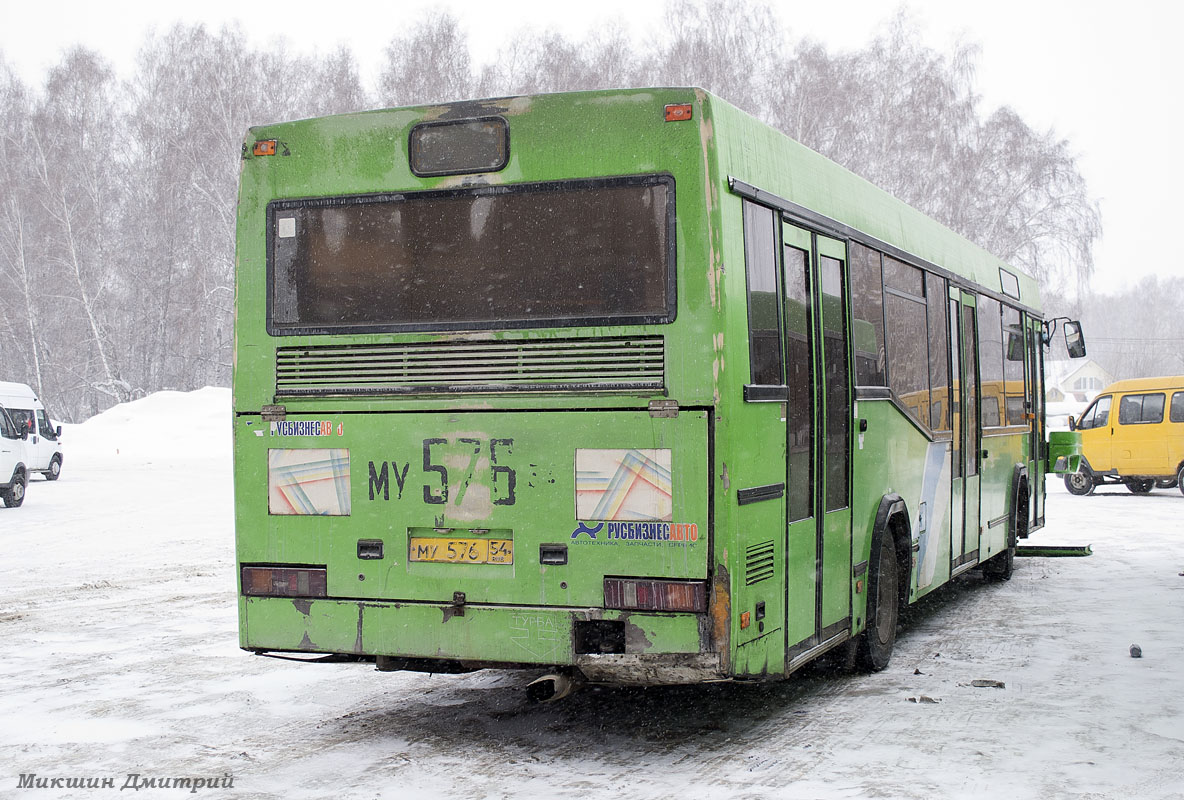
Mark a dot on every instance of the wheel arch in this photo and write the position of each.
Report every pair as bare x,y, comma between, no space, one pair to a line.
19,469
892,519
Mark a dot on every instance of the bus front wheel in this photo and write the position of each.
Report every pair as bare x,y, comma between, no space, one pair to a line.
883,609
14,495
1080,483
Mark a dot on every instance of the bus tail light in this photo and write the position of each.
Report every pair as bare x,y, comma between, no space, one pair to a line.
284,582
647,594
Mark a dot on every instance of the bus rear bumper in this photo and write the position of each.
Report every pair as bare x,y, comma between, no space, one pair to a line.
607,646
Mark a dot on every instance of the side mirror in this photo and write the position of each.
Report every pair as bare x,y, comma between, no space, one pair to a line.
24,433
1074,340
58,431
1072,423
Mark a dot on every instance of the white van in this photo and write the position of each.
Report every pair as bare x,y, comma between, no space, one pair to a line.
14,475
43,443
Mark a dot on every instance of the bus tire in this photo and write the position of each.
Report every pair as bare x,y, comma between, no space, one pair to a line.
14,495
1180,478
874,647
1080,483
55,468
1139,485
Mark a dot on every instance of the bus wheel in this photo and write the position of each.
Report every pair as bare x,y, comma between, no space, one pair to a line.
1138,486
1180,479
55,468
883,609
1080,483
1167,483
14,495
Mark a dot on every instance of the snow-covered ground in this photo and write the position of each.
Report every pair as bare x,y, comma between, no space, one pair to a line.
120,657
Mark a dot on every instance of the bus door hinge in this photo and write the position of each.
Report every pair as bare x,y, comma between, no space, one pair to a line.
274,413
663,409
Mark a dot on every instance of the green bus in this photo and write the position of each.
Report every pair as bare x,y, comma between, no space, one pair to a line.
620,386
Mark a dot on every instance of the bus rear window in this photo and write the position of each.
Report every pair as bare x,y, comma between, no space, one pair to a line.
532,255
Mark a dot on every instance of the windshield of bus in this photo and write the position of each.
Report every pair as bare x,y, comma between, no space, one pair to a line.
561,253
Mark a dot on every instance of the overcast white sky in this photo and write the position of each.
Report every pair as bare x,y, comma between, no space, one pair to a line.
1105,75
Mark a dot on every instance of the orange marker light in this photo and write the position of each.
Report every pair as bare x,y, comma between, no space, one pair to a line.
265,147
677,113
745,620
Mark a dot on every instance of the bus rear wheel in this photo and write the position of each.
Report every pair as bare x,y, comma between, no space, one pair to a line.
874,648
1180,479
1080,483
1139,486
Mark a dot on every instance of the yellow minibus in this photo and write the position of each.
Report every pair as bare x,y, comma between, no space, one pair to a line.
1132,433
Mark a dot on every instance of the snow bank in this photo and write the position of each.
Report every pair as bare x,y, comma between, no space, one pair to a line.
173,425
119,620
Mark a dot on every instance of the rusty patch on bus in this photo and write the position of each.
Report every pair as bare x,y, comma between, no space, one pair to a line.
721,615
635,639
358,640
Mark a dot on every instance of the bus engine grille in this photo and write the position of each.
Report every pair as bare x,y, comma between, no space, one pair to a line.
617,364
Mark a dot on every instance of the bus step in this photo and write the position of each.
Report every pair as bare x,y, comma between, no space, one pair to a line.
1054,551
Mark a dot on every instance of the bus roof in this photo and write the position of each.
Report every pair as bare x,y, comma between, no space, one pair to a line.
736,146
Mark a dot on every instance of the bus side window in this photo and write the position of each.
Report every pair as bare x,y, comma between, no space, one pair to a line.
990,347
990,412
1013,367
867,308
764,301
939,353
905,319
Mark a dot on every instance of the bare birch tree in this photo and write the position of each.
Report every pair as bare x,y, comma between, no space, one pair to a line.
75,159
117,220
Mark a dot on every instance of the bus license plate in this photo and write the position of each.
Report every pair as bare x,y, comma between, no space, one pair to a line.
462,551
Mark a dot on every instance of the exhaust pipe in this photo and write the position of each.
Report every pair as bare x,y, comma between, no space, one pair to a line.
550,688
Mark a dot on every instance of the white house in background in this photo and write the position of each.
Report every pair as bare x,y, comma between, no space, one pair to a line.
1074,381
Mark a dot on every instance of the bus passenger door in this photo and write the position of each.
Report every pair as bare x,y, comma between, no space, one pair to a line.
818,432
1034,407
971,446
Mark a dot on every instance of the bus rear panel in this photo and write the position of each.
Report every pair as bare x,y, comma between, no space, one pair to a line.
469,424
